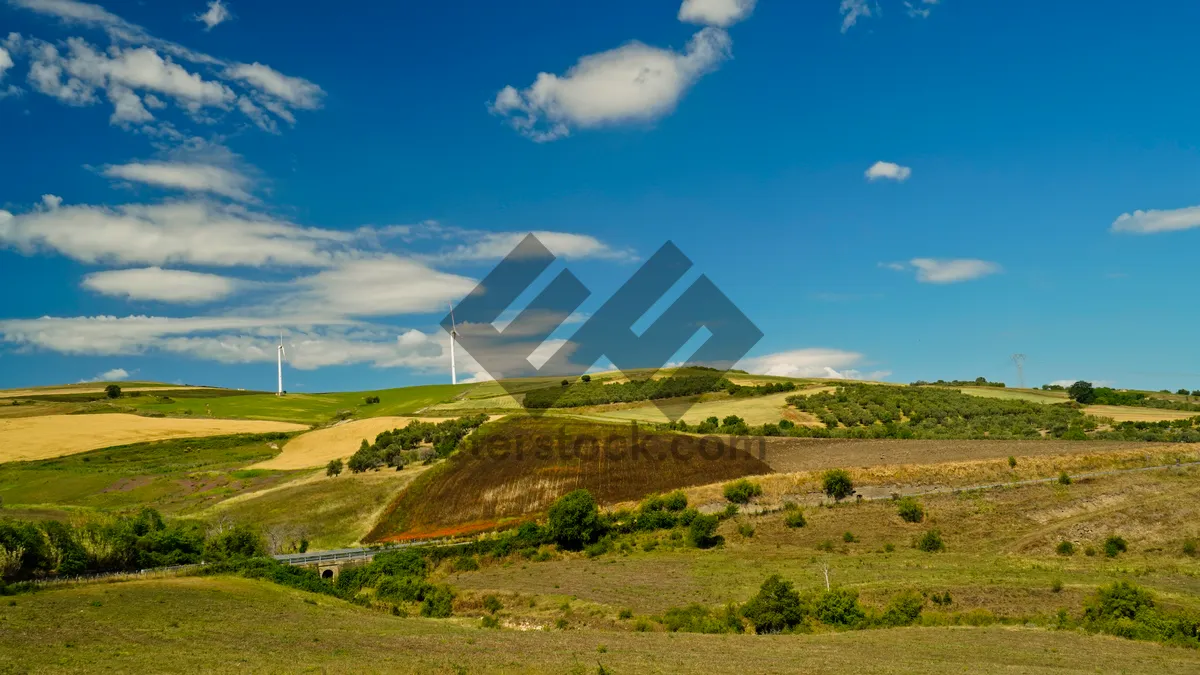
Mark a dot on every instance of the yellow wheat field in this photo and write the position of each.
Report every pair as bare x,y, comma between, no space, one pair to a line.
1121,413
316,448
49,436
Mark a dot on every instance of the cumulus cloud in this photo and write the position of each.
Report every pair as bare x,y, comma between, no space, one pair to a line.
888,171
114,375
853,10
720,13
6,62
190,177
633,83
935,271
139,68
1152,222
190,232
155,283
812,362
216,14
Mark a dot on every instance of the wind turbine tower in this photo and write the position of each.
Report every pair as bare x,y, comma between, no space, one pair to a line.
453,335
280,355
1019,360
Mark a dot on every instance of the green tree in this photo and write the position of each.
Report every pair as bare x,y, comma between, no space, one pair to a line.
574,520
702,531
112,391
837,484
586,378
334,468
238,542
777,607
1082,392
839,607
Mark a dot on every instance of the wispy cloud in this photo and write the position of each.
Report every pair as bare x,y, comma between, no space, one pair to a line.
216,14
853,10
919,9
946,271
811,362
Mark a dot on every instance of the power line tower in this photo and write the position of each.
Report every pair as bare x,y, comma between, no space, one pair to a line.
1019,361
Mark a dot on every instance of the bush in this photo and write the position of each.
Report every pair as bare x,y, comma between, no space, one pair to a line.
839,607
1115,545
235,543
1056,586
696,618
1012,462
333,468
795,519
466,563
1064,478
1065,548
746,530
837,484
371,400
702,531
742,491
931,542
1189,547
776,607
438,603
625,613
492,604
675,501
1122,600
903,610
910,510
848,537
574,520
112,391
489,622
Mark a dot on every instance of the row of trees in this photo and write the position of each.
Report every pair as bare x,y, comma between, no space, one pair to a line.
598,393
977,382
419,441
116,543
1084,393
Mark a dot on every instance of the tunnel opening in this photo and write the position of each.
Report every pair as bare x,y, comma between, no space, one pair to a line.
327,574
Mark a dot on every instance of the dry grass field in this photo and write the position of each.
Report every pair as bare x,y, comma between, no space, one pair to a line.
1122,413
317,448
27,438
90,388
223,624
755,410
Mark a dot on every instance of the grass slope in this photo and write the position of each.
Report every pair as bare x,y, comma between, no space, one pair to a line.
227,625
306,408
513,469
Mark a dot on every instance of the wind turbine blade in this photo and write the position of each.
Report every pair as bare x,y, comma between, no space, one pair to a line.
453,326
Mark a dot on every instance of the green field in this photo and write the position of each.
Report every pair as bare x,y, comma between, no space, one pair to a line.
304,408
173,476
228,624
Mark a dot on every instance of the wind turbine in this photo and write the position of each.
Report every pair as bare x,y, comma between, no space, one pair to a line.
280,355
453,334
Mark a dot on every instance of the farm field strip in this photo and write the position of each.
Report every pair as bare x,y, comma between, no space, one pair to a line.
317,448
1125,413
29,438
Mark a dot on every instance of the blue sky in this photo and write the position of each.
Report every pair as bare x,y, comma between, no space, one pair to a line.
902,191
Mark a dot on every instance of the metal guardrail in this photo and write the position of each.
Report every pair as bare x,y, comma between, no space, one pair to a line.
349,554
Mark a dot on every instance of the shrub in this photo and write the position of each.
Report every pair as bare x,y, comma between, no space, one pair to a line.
746,530
742,491
1065,548
696,618
625,613
492,604
776,607
910,510
1056,586
795,519
490,622
1089,551
466,563
1012,462
702,531
1064,478
931,542
839,607
438,603
238,542
903,610
1122,600
1189,547
1115,545
675,501
574,520
333,468
848,537
837,484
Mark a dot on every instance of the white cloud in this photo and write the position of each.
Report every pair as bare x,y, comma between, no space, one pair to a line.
6,62
216,14
114,375
853,10
921,10
935,271
191,177
155,283
294,90
138,65
633,83
894,266
1151,222
495,245
383,286
811,362
51,201
189,232
889,171
721,13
